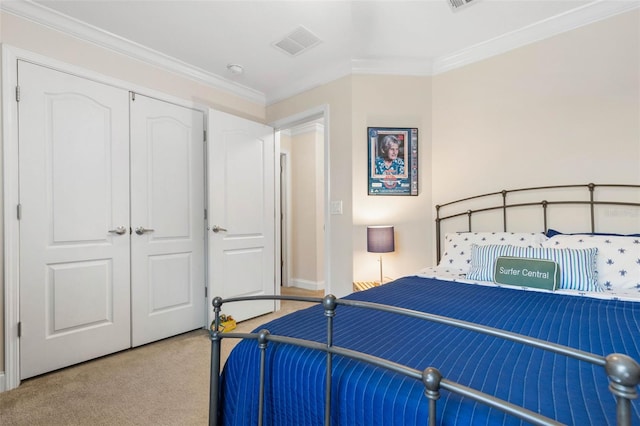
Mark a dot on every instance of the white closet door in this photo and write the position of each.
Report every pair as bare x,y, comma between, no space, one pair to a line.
167,217
242,213
74,196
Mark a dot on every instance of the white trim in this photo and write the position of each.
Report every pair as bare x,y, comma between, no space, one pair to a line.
35,58
277,231
285,175
575,18
301,118
393,66
11,224
10,56
2,385
52,19
312,127
307,285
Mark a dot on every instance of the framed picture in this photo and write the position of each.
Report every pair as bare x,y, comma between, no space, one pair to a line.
393,160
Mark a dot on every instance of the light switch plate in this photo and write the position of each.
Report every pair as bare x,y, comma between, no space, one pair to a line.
336,207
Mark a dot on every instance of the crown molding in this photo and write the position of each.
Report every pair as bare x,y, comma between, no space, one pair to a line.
395,66
584,15
50,18
575,18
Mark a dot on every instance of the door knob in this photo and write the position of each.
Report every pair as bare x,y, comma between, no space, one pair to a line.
217,229
119,230
141,230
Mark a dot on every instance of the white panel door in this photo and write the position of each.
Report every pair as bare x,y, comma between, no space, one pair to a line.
242,212
74,239
167,217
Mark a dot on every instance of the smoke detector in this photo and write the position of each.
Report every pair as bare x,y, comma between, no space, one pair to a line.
459,4
297,41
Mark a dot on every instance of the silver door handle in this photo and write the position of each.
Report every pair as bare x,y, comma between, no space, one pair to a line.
119,230
140,230
217,229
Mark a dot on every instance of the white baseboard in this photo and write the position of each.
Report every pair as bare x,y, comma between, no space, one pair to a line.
3,387
306,284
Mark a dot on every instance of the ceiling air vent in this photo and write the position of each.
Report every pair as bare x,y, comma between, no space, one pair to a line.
459,4
298,41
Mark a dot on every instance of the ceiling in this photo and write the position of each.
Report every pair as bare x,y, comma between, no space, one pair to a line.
394,36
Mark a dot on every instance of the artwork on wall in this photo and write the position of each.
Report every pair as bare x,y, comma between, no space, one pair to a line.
393,161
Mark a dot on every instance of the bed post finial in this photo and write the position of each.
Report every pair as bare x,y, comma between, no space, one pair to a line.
217,302
263,338
329,304
431,378
624,376
263,341
216,346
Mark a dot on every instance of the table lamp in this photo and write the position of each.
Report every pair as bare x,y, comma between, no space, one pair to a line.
380,239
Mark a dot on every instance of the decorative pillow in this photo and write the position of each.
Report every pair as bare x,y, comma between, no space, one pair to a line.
577,266
457,245
525,272
618,260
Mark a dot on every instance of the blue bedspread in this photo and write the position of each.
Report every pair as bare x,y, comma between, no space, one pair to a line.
572,392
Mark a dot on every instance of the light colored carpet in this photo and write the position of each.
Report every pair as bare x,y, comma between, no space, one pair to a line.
163,383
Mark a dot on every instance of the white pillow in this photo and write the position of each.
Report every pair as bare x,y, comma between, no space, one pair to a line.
457,245
617,262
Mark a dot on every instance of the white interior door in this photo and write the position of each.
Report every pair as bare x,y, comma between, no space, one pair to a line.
74,239
242,212
167,217
92,166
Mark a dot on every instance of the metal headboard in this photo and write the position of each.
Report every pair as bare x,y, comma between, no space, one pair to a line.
505,205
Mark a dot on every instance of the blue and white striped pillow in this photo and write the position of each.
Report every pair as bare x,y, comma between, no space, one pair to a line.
618,260
577,266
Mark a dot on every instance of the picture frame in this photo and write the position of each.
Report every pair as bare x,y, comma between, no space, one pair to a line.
392,160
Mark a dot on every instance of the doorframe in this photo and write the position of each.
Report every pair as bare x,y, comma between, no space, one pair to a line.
285,215
11,187
318,112
11,222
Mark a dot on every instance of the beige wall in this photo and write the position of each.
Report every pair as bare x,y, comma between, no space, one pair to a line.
307,202
319,205
562,110
337,96
355,103
385,101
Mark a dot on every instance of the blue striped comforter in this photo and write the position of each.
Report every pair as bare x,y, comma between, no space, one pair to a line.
570,391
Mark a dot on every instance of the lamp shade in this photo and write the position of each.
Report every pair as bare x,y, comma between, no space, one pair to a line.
380,239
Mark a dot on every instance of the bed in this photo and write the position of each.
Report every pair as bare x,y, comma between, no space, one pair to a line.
450,346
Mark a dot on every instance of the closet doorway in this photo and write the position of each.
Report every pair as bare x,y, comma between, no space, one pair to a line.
111,217
303,206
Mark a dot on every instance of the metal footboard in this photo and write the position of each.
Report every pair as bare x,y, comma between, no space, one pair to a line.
623,371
